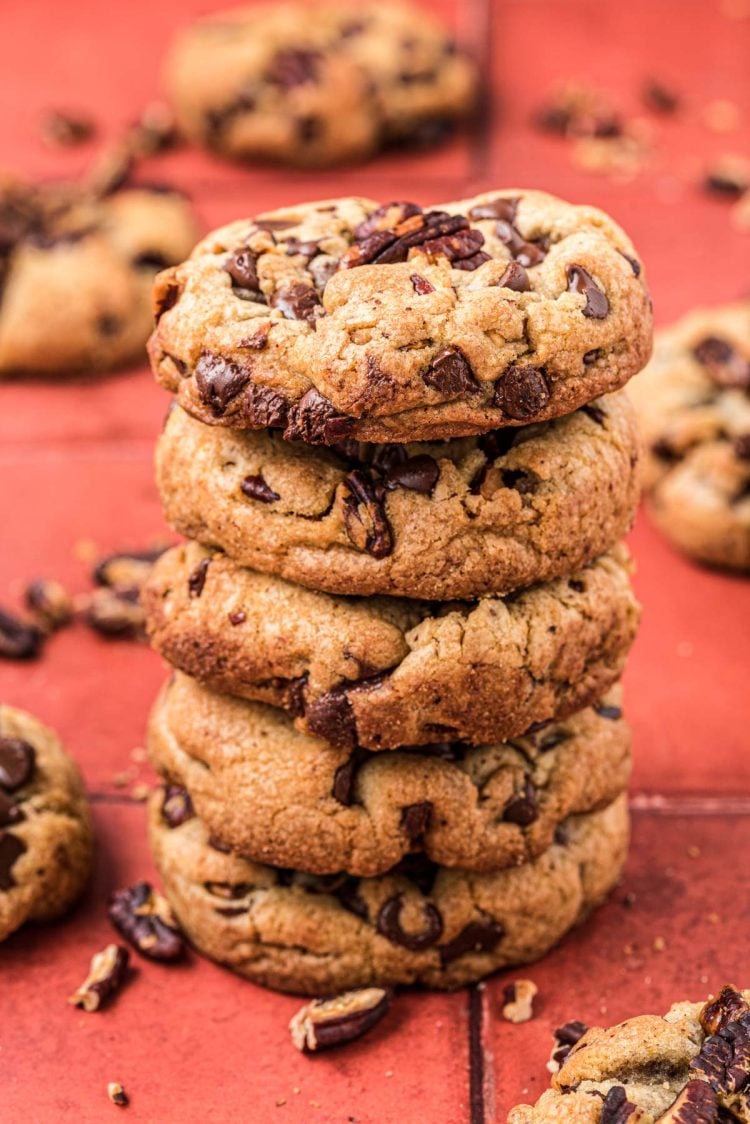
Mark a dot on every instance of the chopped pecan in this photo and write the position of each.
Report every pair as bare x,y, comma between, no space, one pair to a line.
114,612
19,639
332,1022
117,1094
365,519
727,1007
49,603
696,1104
106,977
518,1005
145,920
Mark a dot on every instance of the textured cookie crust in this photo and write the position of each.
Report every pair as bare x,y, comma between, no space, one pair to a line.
687,1066
89,263
344,319
694,405
45,826
296,932
382,673
284,798
454,519
317,85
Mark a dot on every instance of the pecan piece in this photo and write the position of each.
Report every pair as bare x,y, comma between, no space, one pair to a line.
565,1038
177,807
117,1094
145,920
365,519
106,977
518,1001
49,603
19,639
727,1007
114,612
616,1108
332,1022
696,1104
126,569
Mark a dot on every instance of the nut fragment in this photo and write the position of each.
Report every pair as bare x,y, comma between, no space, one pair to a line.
114,612
145,920
117,1094
519,1000
49,603
565,1039
127,569
332,1022
106,976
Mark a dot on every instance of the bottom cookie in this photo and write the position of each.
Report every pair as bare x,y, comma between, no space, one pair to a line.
689,1067
45,826
420,923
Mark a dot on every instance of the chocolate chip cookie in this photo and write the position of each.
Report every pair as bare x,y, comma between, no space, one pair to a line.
440,520
76,273
45,826
318,85
694,406
382,673
281,797
688,1065
345,319
420,923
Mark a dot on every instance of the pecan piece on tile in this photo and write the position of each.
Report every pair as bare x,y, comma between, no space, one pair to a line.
565,1038
117,1094
49,603
518,1001
127,569
114,612
145,920
106,977
332,1022
19,639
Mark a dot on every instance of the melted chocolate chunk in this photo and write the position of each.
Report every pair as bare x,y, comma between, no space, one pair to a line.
515,278
520,480
450,374
522,391
256,488
417,474
415,819
345,777
315,420
298,302
596,413
17,762
219,381
197,579
581,281
294,67
242,268
388,924
10,813
365,520
724,364
11,849
522,809
634,264
176,807
477,936
165,298
331,717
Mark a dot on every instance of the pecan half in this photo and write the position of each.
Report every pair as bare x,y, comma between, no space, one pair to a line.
145,920
332,1022
106,977
696,1104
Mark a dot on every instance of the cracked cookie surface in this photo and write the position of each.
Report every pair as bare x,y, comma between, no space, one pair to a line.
316,86
89,262
418,924
438,520
381,673
280,797
343,319
689,1065
694,405
45,826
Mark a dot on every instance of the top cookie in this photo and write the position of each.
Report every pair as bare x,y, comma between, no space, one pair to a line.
317,85
392,324
689,1066
693,401
77,269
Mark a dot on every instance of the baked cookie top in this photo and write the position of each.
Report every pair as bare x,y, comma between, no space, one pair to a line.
291,800
420,923
693,401
315,85
688,1066
89,260
433,520
381,673
346,319
45,826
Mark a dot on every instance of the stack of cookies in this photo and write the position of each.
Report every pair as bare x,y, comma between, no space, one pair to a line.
392,746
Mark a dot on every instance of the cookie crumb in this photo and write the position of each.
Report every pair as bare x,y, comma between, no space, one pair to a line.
140,792
117,1094
518,1004
693,851
63,129
659,944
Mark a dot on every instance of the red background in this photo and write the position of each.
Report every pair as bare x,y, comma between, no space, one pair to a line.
192,1043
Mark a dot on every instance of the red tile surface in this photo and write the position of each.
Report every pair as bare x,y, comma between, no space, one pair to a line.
193,1043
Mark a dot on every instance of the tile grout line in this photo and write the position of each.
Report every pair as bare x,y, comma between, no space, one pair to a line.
476,1055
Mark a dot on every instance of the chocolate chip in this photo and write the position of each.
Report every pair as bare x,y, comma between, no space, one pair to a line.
242,268
477,936
741,447
415,819
664,451
634,264
450,374
596,413
145,920
522,391
388,924
523,809
724,364
256,488
197,579
616,1108
520,480
576,586
610,712
417,474
108,324
264,408
17,762
345,777
151,259
497,443
591,356
515,278
421,285
10,813
331,717
19,640
365,520
315,420
308,128
527,254
499,208
581,281
165,297
332,1022
177,807
294,67
219,381
11,849
298,302
565,1039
